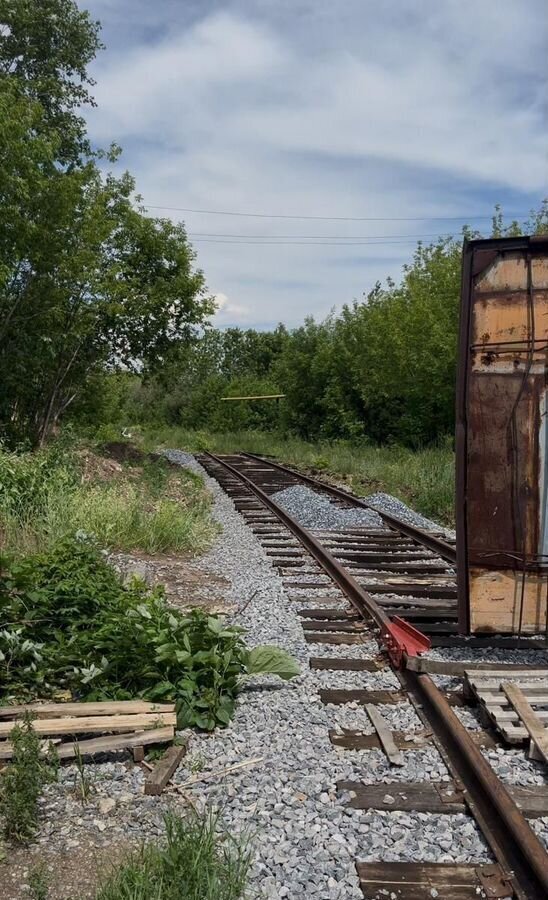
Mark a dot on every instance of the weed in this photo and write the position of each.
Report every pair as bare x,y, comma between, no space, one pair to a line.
196,763
22,782
39,880
43,497
84,781
196,862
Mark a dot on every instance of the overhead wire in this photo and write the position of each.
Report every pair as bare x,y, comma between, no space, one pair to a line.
260,215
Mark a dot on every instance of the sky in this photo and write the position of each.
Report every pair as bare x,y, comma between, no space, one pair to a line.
344,130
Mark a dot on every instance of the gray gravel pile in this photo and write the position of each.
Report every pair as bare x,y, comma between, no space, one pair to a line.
389,504
316,511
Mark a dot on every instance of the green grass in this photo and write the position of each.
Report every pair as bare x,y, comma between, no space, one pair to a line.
422,478
44,497
196,862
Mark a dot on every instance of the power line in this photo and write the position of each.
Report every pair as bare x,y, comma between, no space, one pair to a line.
303,243
324,237
223,212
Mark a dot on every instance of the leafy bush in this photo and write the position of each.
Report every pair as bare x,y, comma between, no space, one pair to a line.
196,863
71,624
21,784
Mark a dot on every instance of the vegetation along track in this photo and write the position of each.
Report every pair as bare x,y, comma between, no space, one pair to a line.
387,573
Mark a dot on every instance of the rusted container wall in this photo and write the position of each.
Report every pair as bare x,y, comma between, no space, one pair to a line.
502,429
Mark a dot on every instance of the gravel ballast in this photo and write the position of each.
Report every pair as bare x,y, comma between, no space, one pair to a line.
307,841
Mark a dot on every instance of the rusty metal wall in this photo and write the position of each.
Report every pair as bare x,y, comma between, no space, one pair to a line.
501,437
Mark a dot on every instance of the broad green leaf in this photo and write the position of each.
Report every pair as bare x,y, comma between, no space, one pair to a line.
272,660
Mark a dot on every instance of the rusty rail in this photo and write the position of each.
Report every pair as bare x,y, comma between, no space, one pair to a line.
399,637
512,840
437,545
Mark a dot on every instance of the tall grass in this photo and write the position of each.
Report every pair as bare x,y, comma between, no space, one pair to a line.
195,863
422,478
43,498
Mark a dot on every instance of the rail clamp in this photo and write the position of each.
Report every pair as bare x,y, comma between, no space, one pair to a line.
402,639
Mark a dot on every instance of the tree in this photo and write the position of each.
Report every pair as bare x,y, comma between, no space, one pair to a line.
87,280
45,49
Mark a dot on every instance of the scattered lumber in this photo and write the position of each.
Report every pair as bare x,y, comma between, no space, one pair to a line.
446,667
386,737
92,727
157,779
220,773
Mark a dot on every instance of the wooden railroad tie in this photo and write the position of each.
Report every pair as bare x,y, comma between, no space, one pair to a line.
435,797
417,881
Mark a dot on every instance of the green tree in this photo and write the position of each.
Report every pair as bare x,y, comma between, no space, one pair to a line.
87,280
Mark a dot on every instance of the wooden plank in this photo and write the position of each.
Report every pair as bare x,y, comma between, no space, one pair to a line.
405,740
335,626
537,731
422,881
444,667
330,612
496,670
532,800
342,664
405,796
385,735
156,780
357,740
324,637
103,744
95,724
104,708
361,696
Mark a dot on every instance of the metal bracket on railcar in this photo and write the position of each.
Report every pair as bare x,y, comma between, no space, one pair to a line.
402,639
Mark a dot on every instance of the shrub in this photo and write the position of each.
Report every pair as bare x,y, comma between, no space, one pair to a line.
21,784
71,624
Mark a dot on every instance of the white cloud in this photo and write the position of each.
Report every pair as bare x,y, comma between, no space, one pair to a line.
228,312
329,109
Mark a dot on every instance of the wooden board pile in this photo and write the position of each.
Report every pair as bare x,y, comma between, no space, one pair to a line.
516,703
90,728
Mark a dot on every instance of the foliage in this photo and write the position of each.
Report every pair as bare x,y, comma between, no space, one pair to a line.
88,282
44,496
270,659
380,370
71,624
39,881
22,782
197,862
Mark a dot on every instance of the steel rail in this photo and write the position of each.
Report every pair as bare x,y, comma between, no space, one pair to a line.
516,847
364,602
437,545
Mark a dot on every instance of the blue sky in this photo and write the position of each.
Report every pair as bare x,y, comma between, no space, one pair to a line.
400,110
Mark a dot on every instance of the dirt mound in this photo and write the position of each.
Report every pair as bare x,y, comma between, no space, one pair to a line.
122,451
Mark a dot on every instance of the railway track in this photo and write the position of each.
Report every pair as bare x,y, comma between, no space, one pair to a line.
395,583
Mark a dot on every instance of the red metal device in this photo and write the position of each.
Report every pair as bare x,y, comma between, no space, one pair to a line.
401,639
